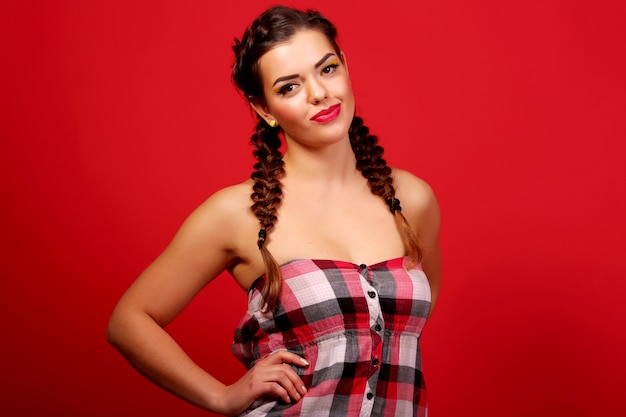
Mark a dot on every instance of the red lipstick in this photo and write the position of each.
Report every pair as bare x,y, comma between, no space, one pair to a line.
327,115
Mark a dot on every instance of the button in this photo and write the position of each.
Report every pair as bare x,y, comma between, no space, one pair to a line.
372,294
375,361
363,266
369,395
378,327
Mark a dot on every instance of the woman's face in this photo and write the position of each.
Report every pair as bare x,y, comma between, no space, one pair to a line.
307,90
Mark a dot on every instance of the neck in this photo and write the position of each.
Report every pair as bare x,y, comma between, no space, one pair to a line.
334,163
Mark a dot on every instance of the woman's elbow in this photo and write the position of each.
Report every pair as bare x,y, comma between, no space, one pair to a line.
115,329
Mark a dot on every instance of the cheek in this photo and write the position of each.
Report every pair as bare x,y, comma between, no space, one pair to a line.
291,112
348,98
343,89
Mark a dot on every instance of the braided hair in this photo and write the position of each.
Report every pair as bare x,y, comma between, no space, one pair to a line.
274,26
370,161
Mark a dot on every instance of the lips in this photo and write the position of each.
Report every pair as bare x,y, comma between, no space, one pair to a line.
327,115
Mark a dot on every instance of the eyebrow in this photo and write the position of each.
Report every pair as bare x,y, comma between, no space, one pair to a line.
292,76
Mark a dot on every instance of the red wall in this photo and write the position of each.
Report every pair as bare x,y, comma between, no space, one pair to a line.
118,118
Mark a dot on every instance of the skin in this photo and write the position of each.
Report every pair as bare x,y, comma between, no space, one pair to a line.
328,212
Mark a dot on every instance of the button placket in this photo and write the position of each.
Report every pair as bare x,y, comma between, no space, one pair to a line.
376,326
373,303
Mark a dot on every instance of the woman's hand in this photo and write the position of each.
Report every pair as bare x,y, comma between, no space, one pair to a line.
270,376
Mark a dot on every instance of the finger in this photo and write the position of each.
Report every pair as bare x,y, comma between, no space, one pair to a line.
284,356
288,380
277,390
295,379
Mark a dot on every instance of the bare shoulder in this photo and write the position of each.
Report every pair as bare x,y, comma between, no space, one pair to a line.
210,240
227,201
414,193
223,214
419,203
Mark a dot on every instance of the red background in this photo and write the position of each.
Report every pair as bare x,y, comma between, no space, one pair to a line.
118,118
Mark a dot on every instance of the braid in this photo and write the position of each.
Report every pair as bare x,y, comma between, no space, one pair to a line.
266,197
369,160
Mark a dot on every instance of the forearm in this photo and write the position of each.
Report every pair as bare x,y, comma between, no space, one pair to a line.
155,354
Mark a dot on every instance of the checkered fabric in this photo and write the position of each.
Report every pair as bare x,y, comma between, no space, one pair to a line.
358,326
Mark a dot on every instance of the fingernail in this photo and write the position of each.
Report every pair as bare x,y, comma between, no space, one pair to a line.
303,388
304,361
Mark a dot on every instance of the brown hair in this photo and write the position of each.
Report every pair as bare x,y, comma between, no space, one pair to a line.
274,26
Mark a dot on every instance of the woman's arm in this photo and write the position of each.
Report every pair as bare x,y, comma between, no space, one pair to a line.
421,209
200,250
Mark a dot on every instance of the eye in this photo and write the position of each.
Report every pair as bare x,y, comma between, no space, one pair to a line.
330,68
286,89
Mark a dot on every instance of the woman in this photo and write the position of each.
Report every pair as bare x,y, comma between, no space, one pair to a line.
334,320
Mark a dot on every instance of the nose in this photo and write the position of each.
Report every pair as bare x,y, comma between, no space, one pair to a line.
317,91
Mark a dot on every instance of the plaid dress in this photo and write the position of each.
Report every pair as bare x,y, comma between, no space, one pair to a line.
358,326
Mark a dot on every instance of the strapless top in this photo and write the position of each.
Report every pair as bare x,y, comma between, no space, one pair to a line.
358,326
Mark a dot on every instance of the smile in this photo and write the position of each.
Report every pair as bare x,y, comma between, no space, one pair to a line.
327,115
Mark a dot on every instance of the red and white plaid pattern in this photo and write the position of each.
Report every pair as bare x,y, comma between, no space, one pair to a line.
358,327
